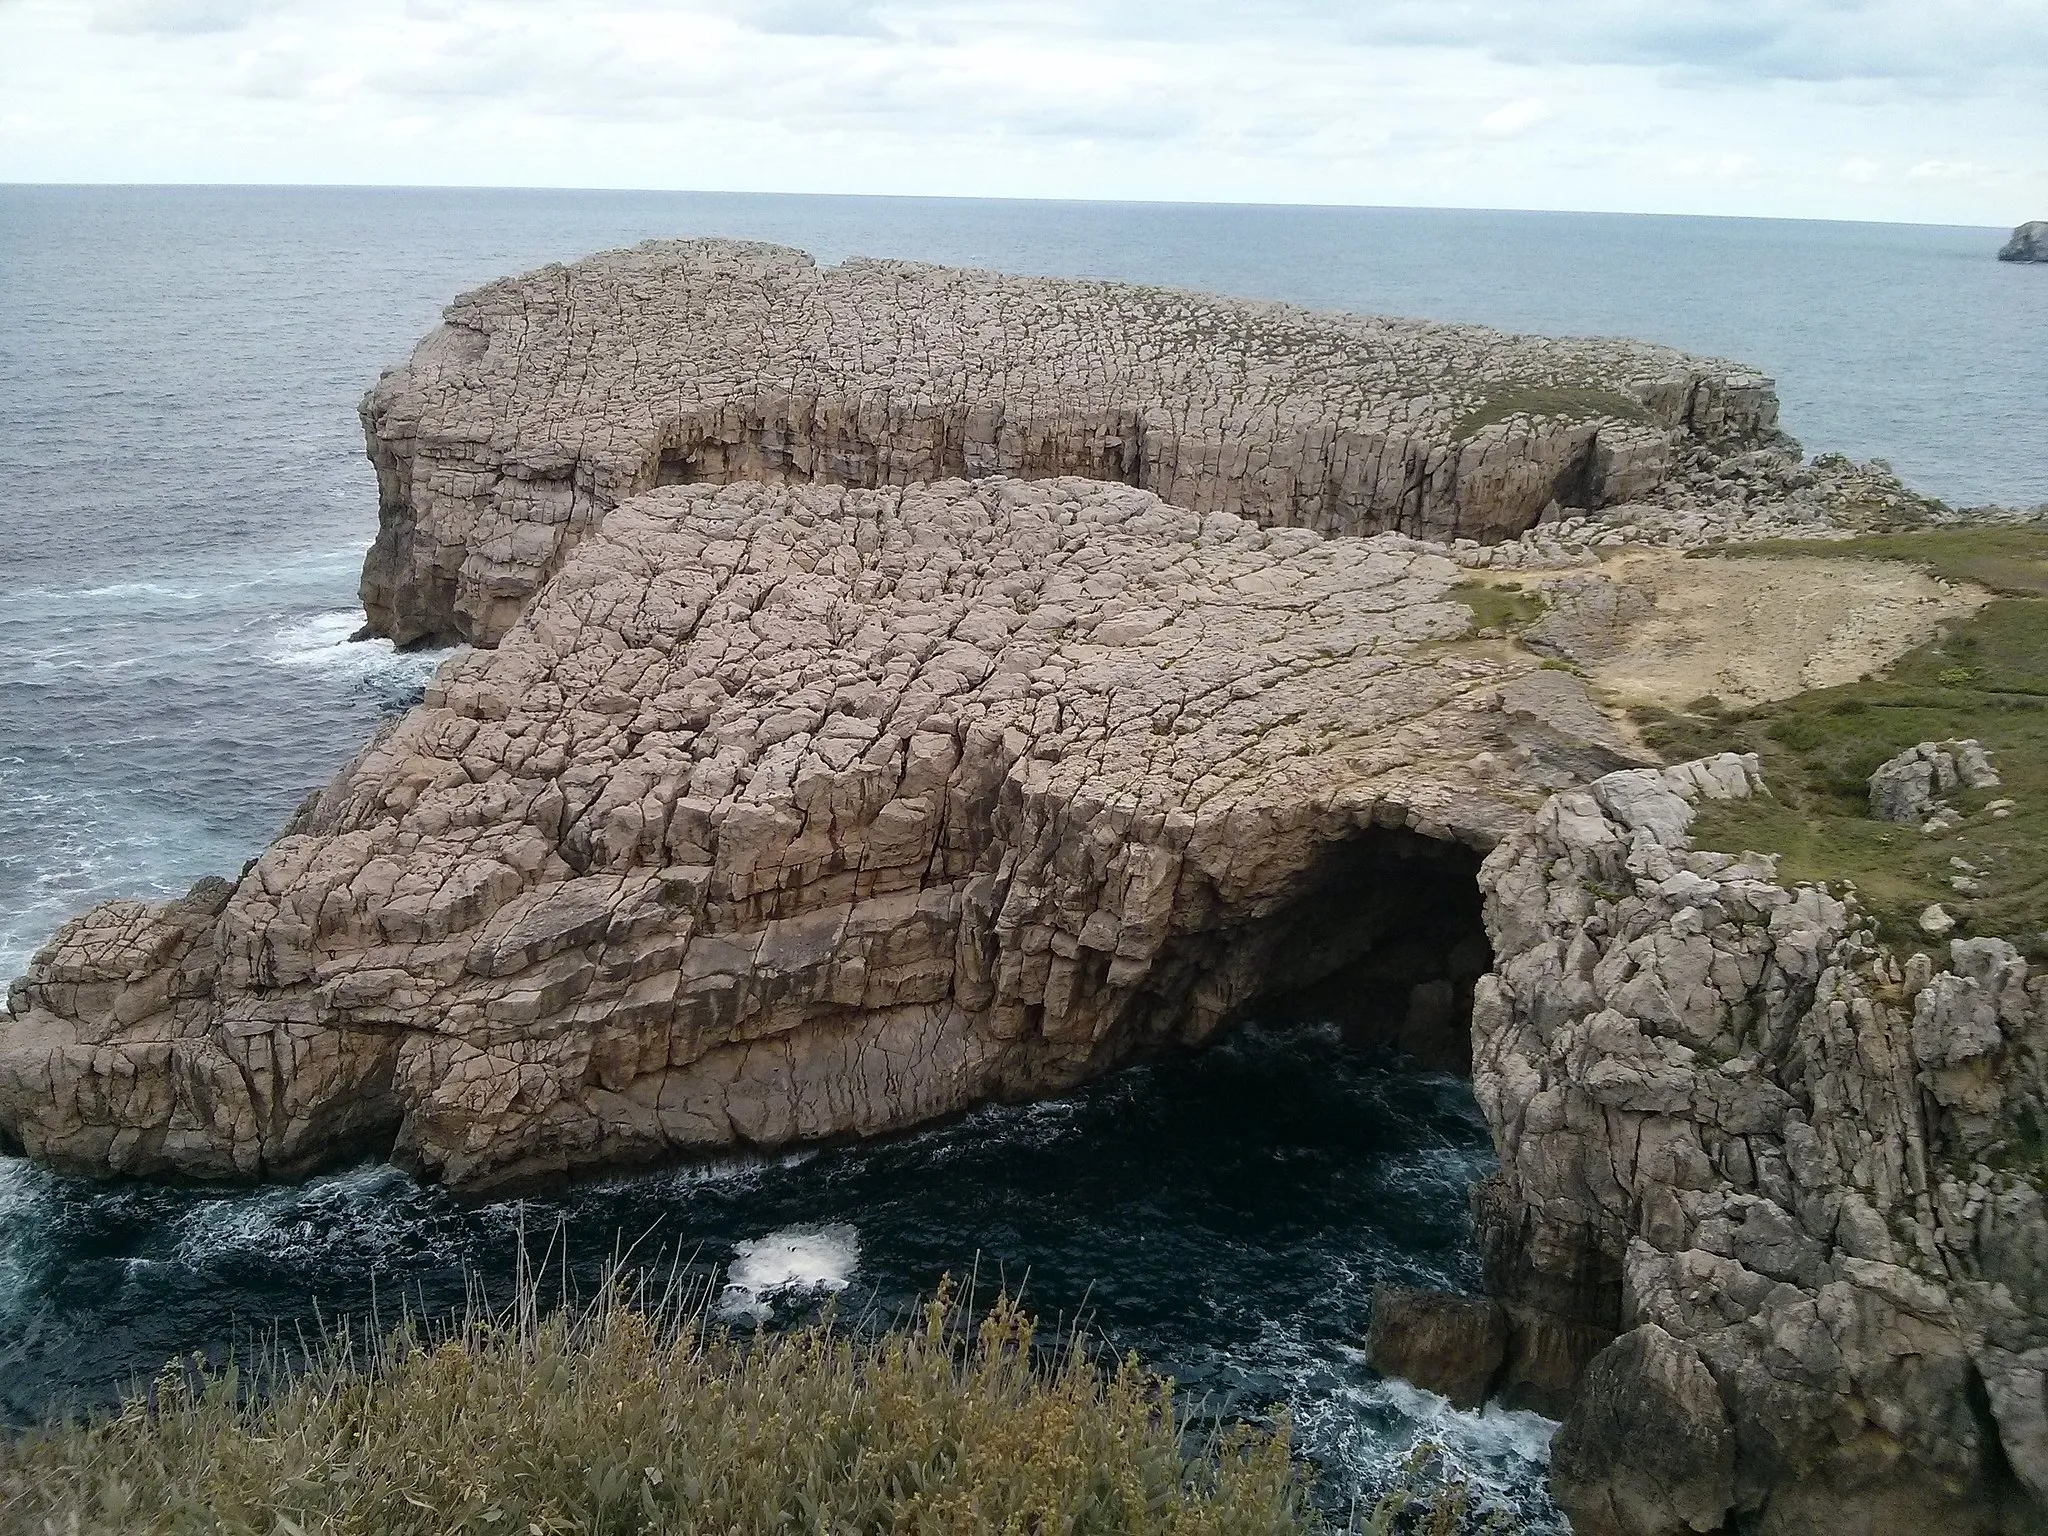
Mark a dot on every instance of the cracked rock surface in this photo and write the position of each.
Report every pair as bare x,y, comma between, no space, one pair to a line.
1792,1177
785,813
858,737
547,399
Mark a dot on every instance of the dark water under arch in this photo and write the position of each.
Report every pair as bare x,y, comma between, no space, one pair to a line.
1224,1213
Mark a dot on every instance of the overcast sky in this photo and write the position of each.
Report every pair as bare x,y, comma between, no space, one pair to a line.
1923,110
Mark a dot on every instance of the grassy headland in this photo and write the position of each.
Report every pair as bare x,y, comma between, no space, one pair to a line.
1985,677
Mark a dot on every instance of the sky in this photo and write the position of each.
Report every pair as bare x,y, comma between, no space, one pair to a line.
1924,111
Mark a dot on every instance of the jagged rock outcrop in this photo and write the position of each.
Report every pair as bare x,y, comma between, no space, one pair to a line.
1907,788
1733,1136
545,400
2029,242
791,812
1445,1343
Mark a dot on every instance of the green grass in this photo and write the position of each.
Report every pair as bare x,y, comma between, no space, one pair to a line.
1497,604
617,1419
1569,402
1986,677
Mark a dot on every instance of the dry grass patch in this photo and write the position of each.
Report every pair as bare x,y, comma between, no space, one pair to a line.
1986,677
615,1418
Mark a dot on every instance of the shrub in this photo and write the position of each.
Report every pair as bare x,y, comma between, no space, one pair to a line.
618,1417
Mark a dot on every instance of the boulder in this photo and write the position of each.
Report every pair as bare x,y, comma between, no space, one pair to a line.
1649,1450
1907,788
1442,1342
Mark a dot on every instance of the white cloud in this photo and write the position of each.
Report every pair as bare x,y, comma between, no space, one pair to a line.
1946,170
1516,117
1799,107
176,17
1721,167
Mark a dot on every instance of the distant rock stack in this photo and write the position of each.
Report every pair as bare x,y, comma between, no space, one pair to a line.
2029,242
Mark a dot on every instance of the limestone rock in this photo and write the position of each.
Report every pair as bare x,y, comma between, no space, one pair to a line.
790,811
1649,1451
1907,788
1769,1166
1448,1344
2017,1387
2029,242
545,400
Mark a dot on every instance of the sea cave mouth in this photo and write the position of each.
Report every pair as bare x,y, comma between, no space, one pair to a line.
1386,942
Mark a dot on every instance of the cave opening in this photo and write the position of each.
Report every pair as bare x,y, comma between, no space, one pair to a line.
1387,942
833,442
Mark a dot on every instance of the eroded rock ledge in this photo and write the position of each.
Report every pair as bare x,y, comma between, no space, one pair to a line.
545,400
1803,1186
789,812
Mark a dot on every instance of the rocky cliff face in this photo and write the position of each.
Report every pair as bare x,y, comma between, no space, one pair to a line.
1800,1190
544,401
794,812
2028,243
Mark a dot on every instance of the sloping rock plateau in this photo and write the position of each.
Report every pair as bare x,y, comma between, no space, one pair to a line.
543,401
792,812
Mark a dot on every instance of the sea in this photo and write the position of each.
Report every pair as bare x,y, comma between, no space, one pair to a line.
184,505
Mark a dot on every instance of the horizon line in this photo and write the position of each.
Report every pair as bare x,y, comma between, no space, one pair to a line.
946,197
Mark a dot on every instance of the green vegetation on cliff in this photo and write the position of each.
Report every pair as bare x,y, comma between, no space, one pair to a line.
1566,402
1986,677
615,1419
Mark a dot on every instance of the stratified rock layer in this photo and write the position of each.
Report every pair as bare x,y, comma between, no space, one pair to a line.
545,400
794,812
1803,1187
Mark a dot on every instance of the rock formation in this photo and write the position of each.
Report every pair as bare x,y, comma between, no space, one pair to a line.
1799,1189
1907,788
1448,1344
545,400
790,812
863,738
2029,242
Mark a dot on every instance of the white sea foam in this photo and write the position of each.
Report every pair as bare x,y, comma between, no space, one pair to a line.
284,1221
20,1187
794,1261
324,642
327,570
738,1171
1502,1454
1491,1432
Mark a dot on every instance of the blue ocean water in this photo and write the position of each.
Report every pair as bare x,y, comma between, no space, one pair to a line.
183,508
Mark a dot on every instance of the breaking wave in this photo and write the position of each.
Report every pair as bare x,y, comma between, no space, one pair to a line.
796,1262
